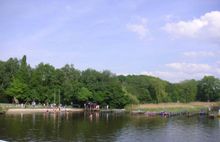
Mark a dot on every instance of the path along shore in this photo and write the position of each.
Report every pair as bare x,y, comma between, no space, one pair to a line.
41,110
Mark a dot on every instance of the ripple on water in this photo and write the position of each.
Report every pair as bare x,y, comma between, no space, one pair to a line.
108,128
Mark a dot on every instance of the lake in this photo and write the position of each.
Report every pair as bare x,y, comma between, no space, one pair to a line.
107,127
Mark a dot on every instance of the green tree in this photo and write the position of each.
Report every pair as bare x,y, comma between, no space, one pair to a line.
8,70
84,95
18,90
24,72
189,90
138,86
43,83
209,89
132,98
70,83
19,86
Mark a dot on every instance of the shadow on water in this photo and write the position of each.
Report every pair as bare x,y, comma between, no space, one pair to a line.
61,127
106,127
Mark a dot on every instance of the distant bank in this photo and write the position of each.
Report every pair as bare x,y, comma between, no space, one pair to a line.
41,110
193,106
161,107
211,109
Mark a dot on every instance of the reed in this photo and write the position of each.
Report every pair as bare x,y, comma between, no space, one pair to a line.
173,107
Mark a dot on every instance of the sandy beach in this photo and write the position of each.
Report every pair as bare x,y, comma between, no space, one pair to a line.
41,110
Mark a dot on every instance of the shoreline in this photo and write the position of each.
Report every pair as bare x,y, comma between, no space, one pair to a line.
176,109
193,107
41,110
173,107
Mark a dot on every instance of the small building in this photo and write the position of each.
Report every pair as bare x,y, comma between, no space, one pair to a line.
91,106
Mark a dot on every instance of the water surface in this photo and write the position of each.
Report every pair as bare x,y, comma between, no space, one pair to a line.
107,127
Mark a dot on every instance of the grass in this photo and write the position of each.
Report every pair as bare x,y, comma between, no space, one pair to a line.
173,107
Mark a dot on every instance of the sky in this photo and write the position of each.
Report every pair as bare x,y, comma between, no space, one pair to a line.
173,39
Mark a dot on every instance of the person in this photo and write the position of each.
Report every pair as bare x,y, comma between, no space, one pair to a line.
22,105
97,107
33,103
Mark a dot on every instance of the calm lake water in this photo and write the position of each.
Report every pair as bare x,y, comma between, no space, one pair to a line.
107,128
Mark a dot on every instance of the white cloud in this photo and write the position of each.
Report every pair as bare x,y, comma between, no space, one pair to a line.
140,28
190,67
205,27
218,63
170,76
124,74
175,76
197,54
181,71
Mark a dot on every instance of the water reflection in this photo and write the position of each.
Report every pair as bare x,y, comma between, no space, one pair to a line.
33,119
219,122
94,126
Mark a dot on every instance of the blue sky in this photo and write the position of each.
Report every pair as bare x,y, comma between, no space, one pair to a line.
173,39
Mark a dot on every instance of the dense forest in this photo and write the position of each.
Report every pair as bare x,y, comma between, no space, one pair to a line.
46,84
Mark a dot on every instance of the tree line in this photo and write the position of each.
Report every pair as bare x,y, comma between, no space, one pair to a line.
46,84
